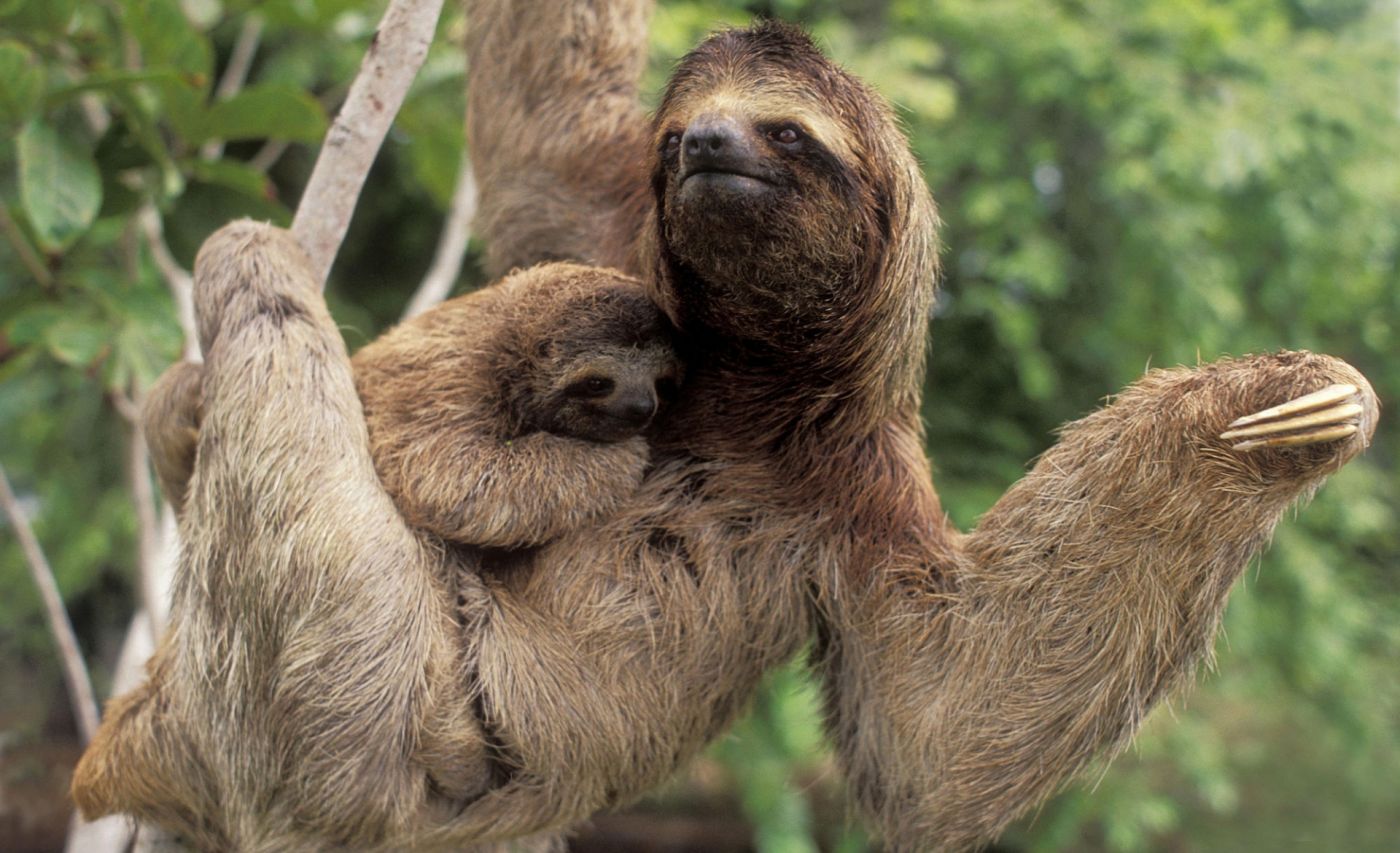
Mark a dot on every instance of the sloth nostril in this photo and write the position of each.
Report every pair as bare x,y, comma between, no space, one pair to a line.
711,138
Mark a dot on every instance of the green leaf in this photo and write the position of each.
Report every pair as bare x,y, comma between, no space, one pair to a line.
271,111
169,42
44,16
430,122
31,324
59,186
24,83
234,175
144,131
110,81
76,342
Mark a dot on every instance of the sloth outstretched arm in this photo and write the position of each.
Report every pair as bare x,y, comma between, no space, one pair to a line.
966,676
1090,590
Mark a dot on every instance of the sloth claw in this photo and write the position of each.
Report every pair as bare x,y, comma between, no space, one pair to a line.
1327,415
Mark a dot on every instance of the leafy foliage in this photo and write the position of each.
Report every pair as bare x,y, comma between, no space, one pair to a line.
1122,185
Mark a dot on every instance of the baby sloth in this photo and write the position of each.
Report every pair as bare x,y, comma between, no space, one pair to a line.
503,418
509,416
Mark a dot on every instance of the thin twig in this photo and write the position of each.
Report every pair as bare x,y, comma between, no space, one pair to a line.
180,282
451,247
395,54
241,59
148,540
269,154
126,407
27,255
235,74
74,669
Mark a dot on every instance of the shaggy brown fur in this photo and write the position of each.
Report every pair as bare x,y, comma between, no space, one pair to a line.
498,419
320,692
565,130
509,416
170,415
788,497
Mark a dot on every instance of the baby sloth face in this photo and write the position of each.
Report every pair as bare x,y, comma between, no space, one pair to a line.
610,393
602,364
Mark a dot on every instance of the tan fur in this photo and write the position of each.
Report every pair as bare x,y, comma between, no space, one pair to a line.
451,397
462,406
566,133
225,677
788,498
170,414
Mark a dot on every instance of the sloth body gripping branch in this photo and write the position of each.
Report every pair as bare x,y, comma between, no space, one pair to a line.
774,209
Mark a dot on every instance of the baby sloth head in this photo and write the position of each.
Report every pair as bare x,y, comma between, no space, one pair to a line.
604,393
599,364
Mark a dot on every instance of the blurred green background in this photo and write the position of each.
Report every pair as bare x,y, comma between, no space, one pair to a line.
1123,184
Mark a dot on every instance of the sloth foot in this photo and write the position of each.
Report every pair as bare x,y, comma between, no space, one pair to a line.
1328,415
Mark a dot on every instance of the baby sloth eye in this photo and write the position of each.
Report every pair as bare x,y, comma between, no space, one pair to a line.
673,143
785,135
593,386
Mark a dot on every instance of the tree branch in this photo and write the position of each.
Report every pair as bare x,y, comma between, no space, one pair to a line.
269,154
395,54
235,74
452,245
74,669
179,281
27,255
149,542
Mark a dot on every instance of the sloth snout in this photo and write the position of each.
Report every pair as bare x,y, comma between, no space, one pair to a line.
718,143
636,408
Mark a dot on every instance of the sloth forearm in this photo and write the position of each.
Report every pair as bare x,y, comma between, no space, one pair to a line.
513,494
1091,589
170,416
558,148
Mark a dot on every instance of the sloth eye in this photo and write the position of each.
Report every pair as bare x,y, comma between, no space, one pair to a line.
593,386
787,135
673,143
666,388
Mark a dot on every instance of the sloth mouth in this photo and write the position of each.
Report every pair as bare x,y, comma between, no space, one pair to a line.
722,190
735,176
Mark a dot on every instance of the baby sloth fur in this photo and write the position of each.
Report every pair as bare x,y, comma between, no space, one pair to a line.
498,419
513,414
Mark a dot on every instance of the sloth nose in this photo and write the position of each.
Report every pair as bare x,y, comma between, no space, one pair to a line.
716,142
635,409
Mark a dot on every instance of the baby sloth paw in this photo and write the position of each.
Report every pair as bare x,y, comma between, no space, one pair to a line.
1332,414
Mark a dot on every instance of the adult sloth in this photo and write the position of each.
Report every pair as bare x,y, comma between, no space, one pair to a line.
789,235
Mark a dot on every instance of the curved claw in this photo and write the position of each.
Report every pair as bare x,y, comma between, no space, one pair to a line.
1327,415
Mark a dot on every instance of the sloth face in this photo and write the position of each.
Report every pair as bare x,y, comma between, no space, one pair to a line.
609,394
764,183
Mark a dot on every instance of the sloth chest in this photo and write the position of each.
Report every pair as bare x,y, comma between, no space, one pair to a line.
628,648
